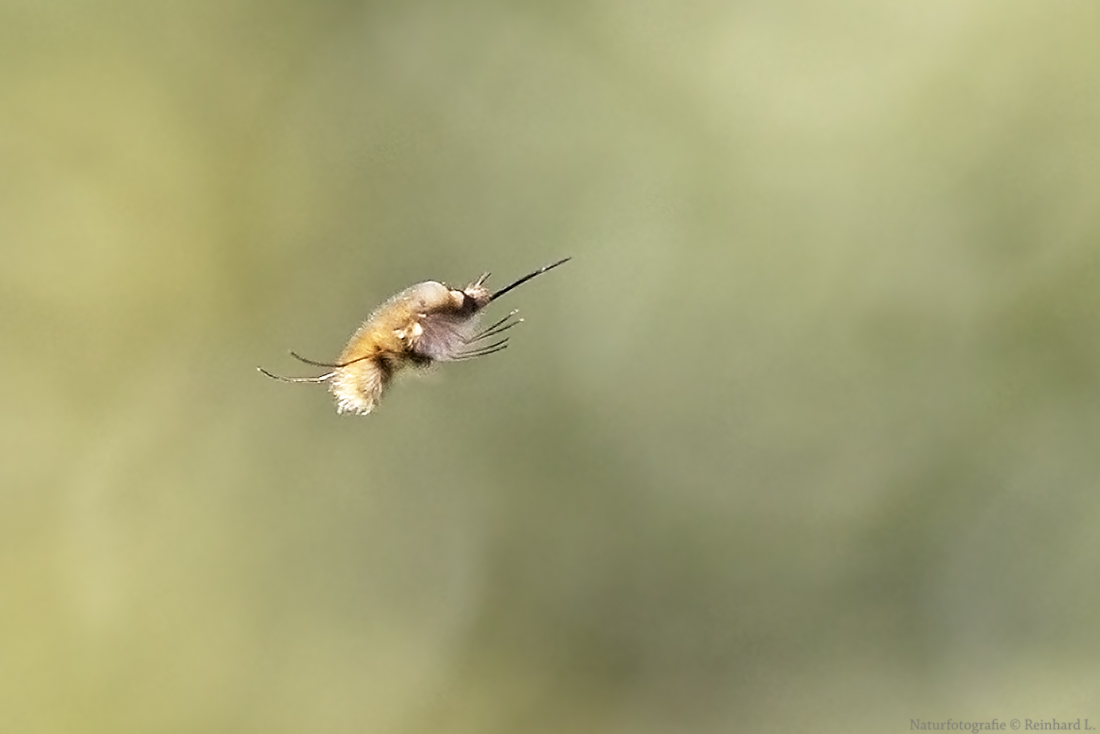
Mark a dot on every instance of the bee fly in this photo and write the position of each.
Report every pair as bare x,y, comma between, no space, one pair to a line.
425,323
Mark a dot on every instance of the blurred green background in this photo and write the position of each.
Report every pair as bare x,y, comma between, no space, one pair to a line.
804,438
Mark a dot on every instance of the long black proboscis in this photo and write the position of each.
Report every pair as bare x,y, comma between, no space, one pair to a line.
528,277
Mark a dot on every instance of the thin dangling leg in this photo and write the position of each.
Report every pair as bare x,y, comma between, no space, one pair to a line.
481,352
281,378
330,365
496,328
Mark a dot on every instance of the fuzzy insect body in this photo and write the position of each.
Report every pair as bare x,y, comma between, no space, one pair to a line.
425,323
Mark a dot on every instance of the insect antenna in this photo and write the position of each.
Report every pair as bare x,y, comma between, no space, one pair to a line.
525,278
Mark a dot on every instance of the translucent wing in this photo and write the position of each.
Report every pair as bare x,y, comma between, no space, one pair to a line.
444,336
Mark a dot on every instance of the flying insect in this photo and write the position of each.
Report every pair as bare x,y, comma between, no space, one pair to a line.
425,323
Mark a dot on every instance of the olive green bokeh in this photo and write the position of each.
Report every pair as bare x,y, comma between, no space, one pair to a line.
804,438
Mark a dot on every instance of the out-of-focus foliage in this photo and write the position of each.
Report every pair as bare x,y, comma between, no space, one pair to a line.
804,439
